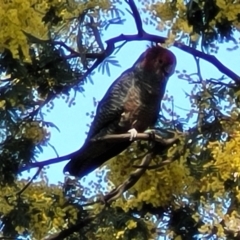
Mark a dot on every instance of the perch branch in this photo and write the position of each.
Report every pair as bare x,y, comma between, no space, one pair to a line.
110,137
140,136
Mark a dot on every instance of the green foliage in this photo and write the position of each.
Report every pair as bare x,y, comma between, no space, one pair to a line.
36,18
213,20
47,49
41,208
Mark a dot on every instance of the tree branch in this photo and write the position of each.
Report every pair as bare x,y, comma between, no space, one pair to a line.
130,181
110,137
66,232
136,16
75,54
154,38
30,182
140,136
46,162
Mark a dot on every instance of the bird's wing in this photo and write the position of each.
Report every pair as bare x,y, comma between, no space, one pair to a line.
111,107
92,155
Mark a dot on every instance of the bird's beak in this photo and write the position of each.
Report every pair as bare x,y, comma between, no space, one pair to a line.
169,69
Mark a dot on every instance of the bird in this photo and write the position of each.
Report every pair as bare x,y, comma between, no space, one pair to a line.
131,104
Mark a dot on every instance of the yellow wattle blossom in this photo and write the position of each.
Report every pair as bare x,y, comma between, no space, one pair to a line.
158,187
2,104
119,234
131,224
45,210
221,4
232,222
205,229
20,229
35,132
181,6
164,11
170,40
228,10
183,25
227,156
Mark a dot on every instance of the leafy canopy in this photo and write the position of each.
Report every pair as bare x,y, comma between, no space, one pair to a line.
182,185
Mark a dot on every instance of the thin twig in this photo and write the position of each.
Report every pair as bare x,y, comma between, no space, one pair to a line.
29,183
162,164
47,162
130,181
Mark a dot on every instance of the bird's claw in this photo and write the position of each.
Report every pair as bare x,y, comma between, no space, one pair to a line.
133,133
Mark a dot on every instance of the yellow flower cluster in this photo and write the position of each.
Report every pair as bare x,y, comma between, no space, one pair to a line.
171,16
107,233
156,187
211,183
232,222
164,11
34,131
227,156
209,228
131,224
213,214
74,8
110,232
17,17
2,104
47,208
228,10
224,166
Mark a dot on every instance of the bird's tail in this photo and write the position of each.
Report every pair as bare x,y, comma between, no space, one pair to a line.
92,155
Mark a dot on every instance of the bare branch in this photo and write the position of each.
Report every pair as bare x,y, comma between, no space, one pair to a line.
75,228
75,54
136,16
130,181
154,38
29,183
211,59
46,162
96,33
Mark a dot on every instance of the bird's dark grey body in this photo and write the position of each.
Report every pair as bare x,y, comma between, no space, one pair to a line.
132,101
